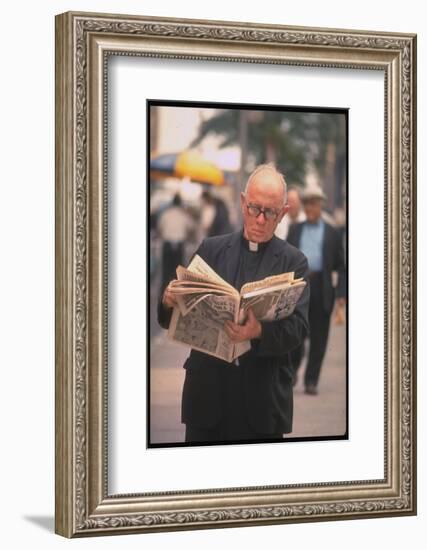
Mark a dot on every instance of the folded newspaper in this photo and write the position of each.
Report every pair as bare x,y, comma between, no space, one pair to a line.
205,302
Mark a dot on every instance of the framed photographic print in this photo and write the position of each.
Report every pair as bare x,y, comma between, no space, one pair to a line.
195,192
238,152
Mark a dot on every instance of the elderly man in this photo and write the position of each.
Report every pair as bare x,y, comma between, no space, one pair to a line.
295,213
251,399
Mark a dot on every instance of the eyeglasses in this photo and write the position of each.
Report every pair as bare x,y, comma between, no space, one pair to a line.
255,210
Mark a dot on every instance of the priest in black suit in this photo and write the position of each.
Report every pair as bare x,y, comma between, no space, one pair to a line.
252,398
322,245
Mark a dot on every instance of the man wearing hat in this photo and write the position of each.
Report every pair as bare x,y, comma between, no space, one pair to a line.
322,245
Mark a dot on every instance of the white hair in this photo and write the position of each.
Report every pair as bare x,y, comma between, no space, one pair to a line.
272,167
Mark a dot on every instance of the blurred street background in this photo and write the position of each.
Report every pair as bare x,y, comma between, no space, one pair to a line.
200,159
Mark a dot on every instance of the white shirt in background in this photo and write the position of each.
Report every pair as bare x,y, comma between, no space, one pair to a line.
282,229
175,224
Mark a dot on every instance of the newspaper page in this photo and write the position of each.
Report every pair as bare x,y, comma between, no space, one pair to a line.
184,274
241,347
205,302
189,289
189,285
274,304
186,301
202,327
200,267
268,282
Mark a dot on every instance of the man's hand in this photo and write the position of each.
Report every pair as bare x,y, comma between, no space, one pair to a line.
339,313
168,299
239,333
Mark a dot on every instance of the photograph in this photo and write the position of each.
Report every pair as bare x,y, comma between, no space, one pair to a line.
235,274
248,273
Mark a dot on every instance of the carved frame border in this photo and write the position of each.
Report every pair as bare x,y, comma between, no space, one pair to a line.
83,43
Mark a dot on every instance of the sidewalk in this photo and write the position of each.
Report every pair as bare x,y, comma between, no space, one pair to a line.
167,378
324,414
321,415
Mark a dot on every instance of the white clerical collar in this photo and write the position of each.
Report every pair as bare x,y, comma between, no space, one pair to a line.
254,247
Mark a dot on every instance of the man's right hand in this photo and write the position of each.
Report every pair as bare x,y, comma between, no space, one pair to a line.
168,299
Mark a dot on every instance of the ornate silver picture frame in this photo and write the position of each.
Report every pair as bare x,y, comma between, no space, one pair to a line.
84,42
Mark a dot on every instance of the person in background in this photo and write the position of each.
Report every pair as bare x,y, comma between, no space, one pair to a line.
322,245
295,213
339,317
215,217
174,226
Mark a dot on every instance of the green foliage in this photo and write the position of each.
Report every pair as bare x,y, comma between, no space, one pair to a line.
292,140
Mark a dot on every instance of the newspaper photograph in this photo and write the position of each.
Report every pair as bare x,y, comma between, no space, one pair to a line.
275,304
202,327
287,302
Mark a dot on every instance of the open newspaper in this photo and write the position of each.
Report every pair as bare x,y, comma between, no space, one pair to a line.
205,302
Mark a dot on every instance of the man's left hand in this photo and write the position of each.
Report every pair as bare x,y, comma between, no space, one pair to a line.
249,330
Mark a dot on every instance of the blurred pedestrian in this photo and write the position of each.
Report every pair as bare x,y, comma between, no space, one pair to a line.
341,226
215,217
322,245
174,226
295,213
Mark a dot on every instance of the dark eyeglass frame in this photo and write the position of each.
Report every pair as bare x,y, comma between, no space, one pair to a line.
254,210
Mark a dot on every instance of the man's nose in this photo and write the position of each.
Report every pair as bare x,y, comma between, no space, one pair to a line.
261,218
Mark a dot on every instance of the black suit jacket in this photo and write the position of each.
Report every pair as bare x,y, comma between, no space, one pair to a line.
332,259
267,367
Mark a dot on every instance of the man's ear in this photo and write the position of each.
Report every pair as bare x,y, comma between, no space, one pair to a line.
242,202
285,210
